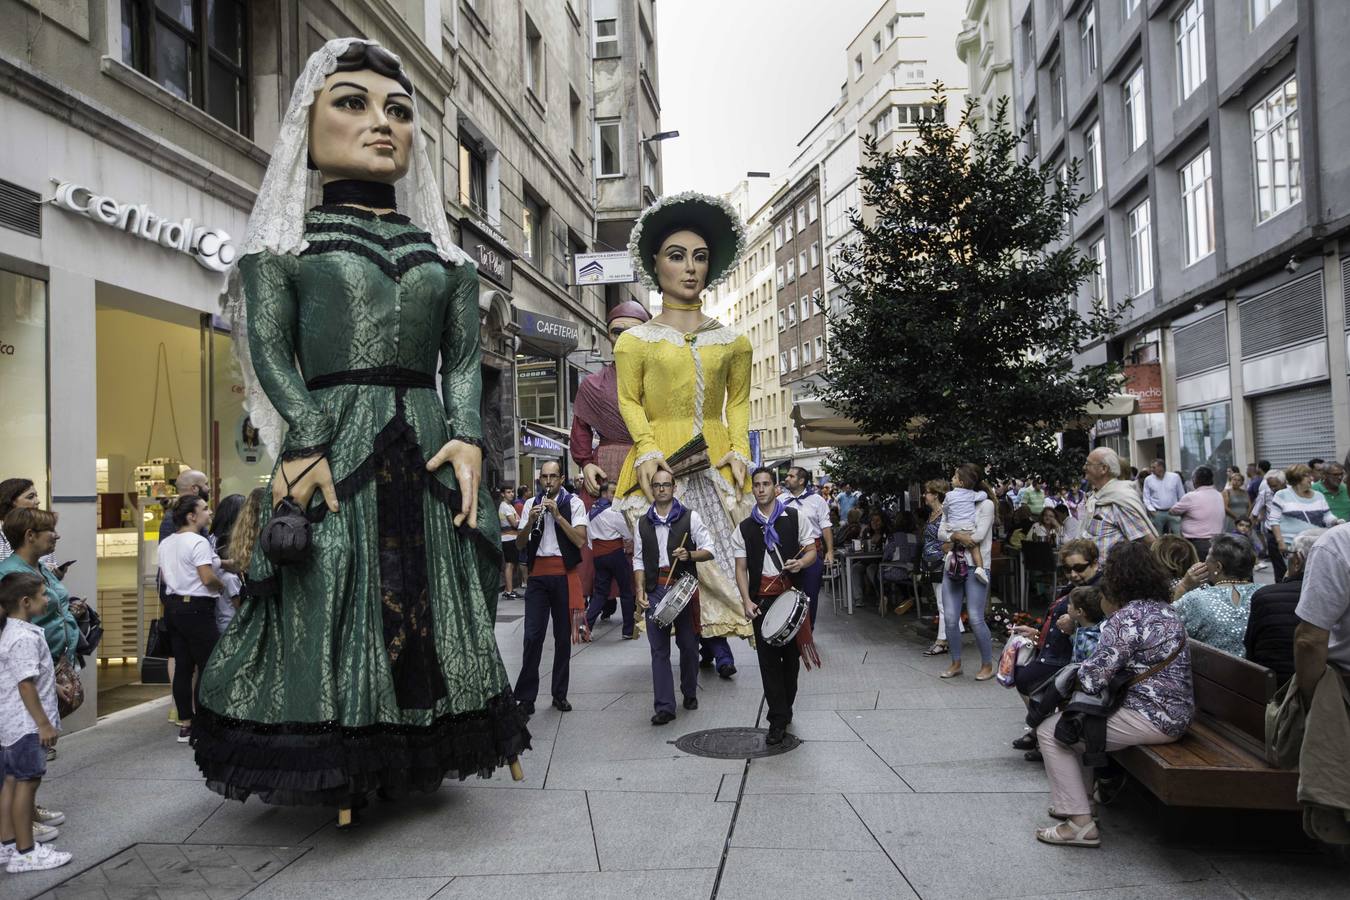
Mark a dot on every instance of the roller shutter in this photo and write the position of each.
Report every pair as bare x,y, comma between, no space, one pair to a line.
1294,426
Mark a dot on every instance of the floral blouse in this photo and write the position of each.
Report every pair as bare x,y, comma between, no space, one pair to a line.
1211,616
1135,638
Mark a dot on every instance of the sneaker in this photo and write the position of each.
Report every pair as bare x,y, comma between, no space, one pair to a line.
41,857
6,853
51,754
45,833
49,816
184,733
982,575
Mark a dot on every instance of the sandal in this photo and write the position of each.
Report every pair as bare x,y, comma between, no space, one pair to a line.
1077,836
1064,817
938,648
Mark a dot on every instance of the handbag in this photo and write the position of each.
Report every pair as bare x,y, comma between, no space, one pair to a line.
287,539
158,649
69,688
1016,653
90,626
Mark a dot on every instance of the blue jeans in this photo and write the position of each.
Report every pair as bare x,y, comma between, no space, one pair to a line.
716,649
975,596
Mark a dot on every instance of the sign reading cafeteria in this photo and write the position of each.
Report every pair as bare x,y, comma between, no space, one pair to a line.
604,268
210,247
546,328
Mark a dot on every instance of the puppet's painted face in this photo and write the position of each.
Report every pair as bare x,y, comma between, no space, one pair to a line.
682,266
361,126
620,324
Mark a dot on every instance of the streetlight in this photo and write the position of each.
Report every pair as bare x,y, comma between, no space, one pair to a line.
661,136
758,175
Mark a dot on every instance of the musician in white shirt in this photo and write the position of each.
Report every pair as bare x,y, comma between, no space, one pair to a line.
815,510
554,532
671,539
611,543
773,533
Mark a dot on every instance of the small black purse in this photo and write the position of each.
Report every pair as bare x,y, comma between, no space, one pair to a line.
286,541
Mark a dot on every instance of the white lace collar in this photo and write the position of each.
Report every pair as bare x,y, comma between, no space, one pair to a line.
712,333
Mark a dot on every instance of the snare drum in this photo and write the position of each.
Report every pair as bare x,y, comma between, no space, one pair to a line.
673,603
784,617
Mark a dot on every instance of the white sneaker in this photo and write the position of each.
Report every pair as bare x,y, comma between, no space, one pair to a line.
45,834
49,816
982,575
41,857
6,853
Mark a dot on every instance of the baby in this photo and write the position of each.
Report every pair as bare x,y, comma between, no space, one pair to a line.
958,514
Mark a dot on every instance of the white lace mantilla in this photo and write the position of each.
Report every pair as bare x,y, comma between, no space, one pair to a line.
656,332
277,223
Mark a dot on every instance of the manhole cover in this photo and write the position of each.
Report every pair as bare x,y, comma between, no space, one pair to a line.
221,872
734,743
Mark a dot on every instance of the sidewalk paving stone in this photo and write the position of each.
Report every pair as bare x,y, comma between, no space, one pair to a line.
812,873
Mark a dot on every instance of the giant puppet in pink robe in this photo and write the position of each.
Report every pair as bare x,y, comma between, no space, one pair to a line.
600,441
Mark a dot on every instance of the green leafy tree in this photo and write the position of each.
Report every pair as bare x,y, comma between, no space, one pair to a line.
958,335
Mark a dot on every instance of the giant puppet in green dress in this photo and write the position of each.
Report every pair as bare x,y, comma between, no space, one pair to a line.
372,665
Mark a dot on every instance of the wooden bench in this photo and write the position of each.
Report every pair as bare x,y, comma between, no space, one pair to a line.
1220,762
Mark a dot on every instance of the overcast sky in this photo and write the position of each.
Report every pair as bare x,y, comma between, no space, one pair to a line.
744,80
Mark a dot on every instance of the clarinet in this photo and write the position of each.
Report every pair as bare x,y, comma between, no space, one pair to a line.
539,522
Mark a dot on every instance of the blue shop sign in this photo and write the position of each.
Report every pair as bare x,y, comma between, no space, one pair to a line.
538,328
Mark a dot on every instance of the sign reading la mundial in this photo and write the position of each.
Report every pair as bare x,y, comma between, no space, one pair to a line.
210,247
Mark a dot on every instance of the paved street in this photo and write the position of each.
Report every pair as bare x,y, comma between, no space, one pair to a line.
904,786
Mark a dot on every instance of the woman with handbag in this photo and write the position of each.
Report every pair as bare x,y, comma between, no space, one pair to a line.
1143,640
187,567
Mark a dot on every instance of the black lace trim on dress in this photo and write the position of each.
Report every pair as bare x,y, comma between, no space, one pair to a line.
367,193
302,452
394,269
319,230
327,763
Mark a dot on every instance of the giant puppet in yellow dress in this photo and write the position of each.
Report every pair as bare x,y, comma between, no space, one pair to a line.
684,374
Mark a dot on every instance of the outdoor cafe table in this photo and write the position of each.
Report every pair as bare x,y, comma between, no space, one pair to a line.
849,560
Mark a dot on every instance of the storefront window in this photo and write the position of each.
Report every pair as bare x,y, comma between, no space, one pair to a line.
23,379
537,398
240,460
1207,438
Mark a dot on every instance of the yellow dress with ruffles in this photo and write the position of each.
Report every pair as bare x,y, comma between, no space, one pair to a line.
672,386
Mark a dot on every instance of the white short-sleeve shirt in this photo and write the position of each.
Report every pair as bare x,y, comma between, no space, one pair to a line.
805,536
179,556
702,538
812,509
548,539
24,655
609,525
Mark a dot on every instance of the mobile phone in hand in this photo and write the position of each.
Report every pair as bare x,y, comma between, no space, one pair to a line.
67,564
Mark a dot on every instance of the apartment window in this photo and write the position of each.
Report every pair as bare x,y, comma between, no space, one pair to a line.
1197,207
819,343
792,315
782,320
1087,39
1033,132
195,49
1062,179
609,138
806,353
1028,41
1276,151
801,263
857,66
1130,7
1190,35
792,358
779,280
812,209
791,270
787,229
805,303
534,59
574,119
571,247
1139,261
876,46
882,124
1261,9
532,226
1136,110
815,255
607,39
778,237
1100,295
1057,100
649,179
838,209
782,366
801,219
472,175
1092,145
890,32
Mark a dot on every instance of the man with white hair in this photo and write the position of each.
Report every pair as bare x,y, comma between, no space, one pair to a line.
188,482
1115,510
1265,514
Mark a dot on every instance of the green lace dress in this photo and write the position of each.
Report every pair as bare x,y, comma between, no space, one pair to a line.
373,665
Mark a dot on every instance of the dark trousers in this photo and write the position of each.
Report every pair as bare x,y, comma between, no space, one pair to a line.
686,638
778,668
193,635
1201,546
612,567
1276,554
545,598
810,580
716,649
